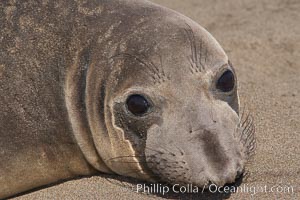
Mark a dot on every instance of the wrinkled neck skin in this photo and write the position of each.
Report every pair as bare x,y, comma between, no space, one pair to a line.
191,134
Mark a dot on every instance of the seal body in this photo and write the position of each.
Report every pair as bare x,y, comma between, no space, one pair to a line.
125,87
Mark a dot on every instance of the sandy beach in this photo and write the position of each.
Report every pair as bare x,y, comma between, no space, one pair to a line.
262,39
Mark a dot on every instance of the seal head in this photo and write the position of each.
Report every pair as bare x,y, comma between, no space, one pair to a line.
166,106
124,86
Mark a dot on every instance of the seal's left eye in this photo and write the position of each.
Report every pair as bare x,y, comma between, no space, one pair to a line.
137,104
226,82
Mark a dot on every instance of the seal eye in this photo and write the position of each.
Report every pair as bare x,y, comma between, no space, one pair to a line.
137,104
226,81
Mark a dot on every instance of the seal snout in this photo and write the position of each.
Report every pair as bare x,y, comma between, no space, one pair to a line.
228,174
218,159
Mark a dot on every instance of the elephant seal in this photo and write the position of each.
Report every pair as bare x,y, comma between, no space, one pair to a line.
124,87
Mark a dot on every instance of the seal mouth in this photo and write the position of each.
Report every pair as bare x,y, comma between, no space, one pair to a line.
238,180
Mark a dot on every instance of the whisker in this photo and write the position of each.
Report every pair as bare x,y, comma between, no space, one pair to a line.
120,157
138,162
162,66
243,112
152,68
194,49
246,121
251,148
247,134
140,171
192,68
160,152
250,133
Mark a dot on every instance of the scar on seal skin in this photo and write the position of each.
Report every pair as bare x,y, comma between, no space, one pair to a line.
122,87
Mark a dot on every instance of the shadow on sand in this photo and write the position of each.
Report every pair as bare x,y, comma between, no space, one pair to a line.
156,189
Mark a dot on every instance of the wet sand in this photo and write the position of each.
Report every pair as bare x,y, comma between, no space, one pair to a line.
262,39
